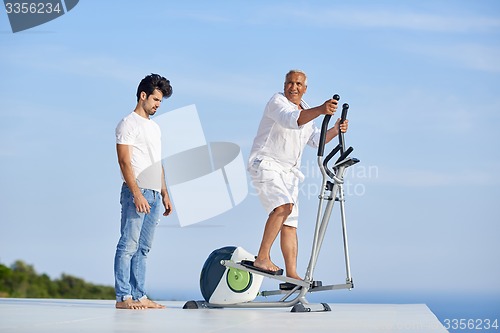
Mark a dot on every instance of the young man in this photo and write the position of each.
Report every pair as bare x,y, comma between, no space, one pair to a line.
138,145
274,164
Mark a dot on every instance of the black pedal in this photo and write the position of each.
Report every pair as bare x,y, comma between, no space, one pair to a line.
316,284
287,286
290,286
249,264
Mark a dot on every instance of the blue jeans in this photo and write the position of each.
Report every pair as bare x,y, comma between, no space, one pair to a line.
137,231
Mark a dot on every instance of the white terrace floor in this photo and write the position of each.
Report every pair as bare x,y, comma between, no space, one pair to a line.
96,316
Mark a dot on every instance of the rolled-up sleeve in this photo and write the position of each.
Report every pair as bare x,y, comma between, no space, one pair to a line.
282,112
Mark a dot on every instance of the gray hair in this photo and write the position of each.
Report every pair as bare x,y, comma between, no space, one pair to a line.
296,71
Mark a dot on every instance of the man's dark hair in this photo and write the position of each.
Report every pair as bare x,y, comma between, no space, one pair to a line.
152,82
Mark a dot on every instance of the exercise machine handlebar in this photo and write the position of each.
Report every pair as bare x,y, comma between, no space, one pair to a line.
345,108
341,145
324,129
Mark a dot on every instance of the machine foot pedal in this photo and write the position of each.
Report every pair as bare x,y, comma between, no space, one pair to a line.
287,286
249,264
290,286
315,284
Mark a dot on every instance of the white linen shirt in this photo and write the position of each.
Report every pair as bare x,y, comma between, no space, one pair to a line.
280,140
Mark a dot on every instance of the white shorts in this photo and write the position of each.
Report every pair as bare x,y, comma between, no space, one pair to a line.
276,188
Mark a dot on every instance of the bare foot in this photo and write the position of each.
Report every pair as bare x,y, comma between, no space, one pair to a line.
265,264
149,304
130,304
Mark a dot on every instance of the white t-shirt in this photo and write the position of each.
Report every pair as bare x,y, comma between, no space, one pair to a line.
279,138
144,138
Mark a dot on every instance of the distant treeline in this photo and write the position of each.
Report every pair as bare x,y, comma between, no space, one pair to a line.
21,281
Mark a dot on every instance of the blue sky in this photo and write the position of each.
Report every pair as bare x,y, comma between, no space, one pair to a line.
422,79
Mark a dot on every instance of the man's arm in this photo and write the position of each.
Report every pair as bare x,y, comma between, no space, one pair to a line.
334,131
329,107
164,194
124,160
